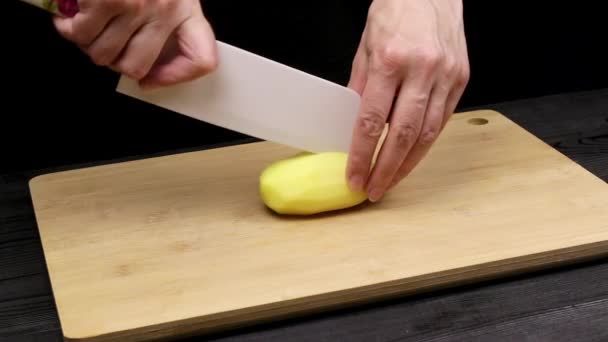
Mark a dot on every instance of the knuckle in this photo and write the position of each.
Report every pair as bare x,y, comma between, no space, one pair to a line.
391,58
464,75
451,67
428,137
156,26
136,73
206,64
372,122
100,56
419,102
133,71
405,134
427,58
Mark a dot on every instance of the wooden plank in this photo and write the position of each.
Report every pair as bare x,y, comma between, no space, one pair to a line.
41,313
556,325
165,246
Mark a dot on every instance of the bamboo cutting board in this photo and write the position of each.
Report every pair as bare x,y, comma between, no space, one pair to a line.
182,244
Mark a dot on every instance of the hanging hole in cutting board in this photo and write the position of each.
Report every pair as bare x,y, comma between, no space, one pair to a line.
478,121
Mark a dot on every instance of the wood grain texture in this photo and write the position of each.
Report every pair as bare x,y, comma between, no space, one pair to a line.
575,124
181,244
28,315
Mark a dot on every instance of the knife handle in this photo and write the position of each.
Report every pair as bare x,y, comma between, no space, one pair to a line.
66,8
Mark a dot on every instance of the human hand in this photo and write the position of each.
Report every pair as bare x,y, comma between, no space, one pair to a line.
157,42
411,69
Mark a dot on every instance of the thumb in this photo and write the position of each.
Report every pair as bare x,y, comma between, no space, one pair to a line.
191,53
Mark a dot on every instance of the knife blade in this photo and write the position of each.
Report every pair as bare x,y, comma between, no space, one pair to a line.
264,99
255,96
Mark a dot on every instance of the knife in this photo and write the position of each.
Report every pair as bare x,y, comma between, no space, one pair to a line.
258,97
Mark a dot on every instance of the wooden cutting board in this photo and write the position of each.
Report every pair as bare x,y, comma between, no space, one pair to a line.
182,244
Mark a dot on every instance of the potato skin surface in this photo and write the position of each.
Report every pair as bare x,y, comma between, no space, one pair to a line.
308,184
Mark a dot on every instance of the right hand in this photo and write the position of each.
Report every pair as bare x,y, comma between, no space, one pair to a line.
158,42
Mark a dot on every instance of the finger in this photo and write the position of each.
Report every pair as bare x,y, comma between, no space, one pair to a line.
358,75
86,25
377,99
457,92
461,75
444,99
109,45
195,57
63,25
434,121
143,49
404,128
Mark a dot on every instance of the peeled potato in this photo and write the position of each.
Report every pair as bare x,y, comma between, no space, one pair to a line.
308,184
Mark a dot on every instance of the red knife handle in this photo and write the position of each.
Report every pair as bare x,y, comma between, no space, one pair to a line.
67,8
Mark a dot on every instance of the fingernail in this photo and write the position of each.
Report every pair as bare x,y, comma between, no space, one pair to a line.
375,195
356,183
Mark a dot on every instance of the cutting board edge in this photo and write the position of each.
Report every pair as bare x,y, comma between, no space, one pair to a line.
34,181
356,297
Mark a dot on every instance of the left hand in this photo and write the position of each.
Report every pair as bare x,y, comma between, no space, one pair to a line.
411,69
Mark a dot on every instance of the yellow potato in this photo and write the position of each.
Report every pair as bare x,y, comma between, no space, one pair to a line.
307,184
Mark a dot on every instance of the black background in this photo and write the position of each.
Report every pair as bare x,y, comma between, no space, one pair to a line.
517,50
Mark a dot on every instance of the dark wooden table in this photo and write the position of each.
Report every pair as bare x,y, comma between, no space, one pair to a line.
566,304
